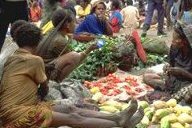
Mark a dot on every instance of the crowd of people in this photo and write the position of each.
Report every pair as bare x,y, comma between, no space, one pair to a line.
47,56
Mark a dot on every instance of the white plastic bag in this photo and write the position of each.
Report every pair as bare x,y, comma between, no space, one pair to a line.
7,51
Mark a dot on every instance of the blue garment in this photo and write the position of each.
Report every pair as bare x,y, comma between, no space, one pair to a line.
92,25
117,14
175,11
152,5
187,17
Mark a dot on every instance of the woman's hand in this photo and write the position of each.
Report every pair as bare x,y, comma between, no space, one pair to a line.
92,47
102,17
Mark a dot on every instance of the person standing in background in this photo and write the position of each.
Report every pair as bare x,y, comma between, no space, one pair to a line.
168,5
175,11
186,11
130,15
48,8
116,18
10,11
152,5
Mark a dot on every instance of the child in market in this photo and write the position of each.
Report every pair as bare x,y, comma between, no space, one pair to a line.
130,16
24,73
116,18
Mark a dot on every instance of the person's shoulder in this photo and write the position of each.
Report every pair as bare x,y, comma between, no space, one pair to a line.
90,16
32,57
59,38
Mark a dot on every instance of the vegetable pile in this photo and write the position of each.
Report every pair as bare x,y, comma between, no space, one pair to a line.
166,115
117,52
105,60
113,87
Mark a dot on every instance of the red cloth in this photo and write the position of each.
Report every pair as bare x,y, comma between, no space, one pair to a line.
35,14
115,25
140,50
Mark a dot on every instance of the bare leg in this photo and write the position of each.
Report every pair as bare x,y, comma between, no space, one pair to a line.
154,80
121,118
76,121
67,63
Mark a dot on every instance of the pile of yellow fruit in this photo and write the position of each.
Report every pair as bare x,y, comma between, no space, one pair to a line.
160,114
112,106
166,115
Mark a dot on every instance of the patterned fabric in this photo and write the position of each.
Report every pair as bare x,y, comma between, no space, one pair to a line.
187,29
19,104
181,93
39,116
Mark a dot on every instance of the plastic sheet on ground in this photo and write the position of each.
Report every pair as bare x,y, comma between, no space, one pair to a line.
118,87
146,88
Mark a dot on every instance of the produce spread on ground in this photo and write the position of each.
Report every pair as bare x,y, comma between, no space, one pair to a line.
112,88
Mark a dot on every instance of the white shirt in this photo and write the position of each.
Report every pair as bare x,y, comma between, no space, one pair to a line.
130,16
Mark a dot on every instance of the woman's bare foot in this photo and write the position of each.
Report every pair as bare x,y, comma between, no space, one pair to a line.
135,119
127,114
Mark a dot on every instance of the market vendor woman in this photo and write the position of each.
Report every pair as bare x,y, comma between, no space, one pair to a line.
96,22
179,70
58,51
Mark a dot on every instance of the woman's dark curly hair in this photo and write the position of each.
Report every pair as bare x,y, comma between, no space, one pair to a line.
27,35
95,6
62,14
15,25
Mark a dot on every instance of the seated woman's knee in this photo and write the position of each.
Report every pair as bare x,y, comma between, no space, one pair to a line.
75,57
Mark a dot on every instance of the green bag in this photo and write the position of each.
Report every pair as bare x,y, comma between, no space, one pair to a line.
155,45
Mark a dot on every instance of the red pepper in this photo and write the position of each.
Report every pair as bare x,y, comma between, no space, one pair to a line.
117,91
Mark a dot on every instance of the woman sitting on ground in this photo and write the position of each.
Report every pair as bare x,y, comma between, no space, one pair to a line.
20,107
59,52
96,23
179,69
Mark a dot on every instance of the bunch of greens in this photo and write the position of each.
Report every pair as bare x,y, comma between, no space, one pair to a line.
99,62
152,60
